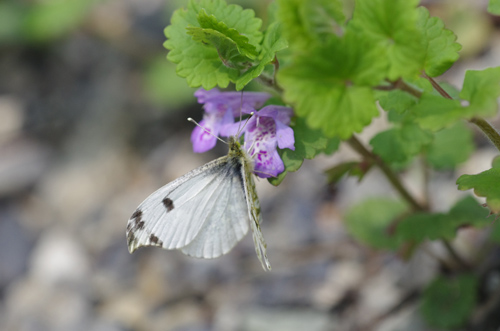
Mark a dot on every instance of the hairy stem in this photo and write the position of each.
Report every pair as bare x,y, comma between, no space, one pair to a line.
488,130
482,124
391,176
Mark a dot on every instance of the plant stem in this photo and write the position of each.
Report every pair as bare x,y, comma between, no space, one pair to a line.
391,176
488,130
437,87
482,124
464,265
400,84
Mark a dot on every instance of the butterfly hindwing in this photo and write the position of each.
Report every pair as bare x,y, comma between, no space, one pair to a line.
200,212
227,223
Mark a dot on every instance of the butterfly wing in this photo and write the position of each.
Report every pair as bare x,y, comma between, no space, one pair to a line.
203,212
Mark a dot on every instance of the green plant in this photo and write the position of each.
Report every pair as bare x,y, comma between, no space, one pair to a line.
333,70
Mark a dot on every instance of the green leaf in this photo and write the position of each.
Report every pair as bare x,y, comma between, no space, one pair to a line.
448,302
308,23
494,7
397,101
47,20
469,212
200,64
482,89
434,112
273,43
357,169
163,87
398,145
334,98
233,49
421,226
369,221
485,184
495,232
443,153
452,91
392,23
11,19
308,144
442,48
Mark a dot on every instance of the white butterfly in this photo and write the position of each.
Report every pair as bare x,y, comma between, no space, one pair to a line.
203,213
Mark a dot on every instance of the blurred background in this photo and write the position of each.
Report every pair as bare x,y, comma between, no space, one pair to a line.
93,120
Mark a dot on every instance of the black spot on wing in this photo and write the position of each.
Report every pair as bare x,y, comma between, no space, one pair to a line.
169,204
155,241
136,221
137,215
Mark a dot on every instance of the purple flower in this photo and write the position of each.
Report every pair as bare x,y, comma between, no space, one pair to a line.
267,129
220,110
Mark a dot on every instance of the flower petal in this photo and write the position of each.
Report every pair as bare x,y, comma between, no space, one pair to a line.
284,135
268,163
226,123
202,140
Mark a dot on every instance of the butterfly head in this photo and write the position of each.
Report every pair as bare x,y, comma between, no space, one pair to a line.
236,151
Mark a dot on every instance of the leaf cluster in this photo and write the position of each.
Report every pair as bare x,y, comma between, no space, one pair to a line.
339,71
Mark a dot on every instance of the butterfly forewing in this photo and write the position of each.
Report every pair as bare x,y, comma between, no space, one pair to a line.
176,214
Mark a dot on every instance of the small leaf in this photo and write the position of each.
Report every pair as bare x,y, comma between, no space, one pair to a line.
197,62
448,302
435,112
482,89
358,169
392,23
422,226
469,212
443,153
494,7
369,220
399,145
312,22
47,20
273,43
495,232
211,23
397,101
226,48
442,49
485,184
308,144
336,99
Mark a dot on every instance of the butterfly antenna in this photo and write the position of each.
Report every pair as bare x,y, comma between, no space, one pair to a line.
207,131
